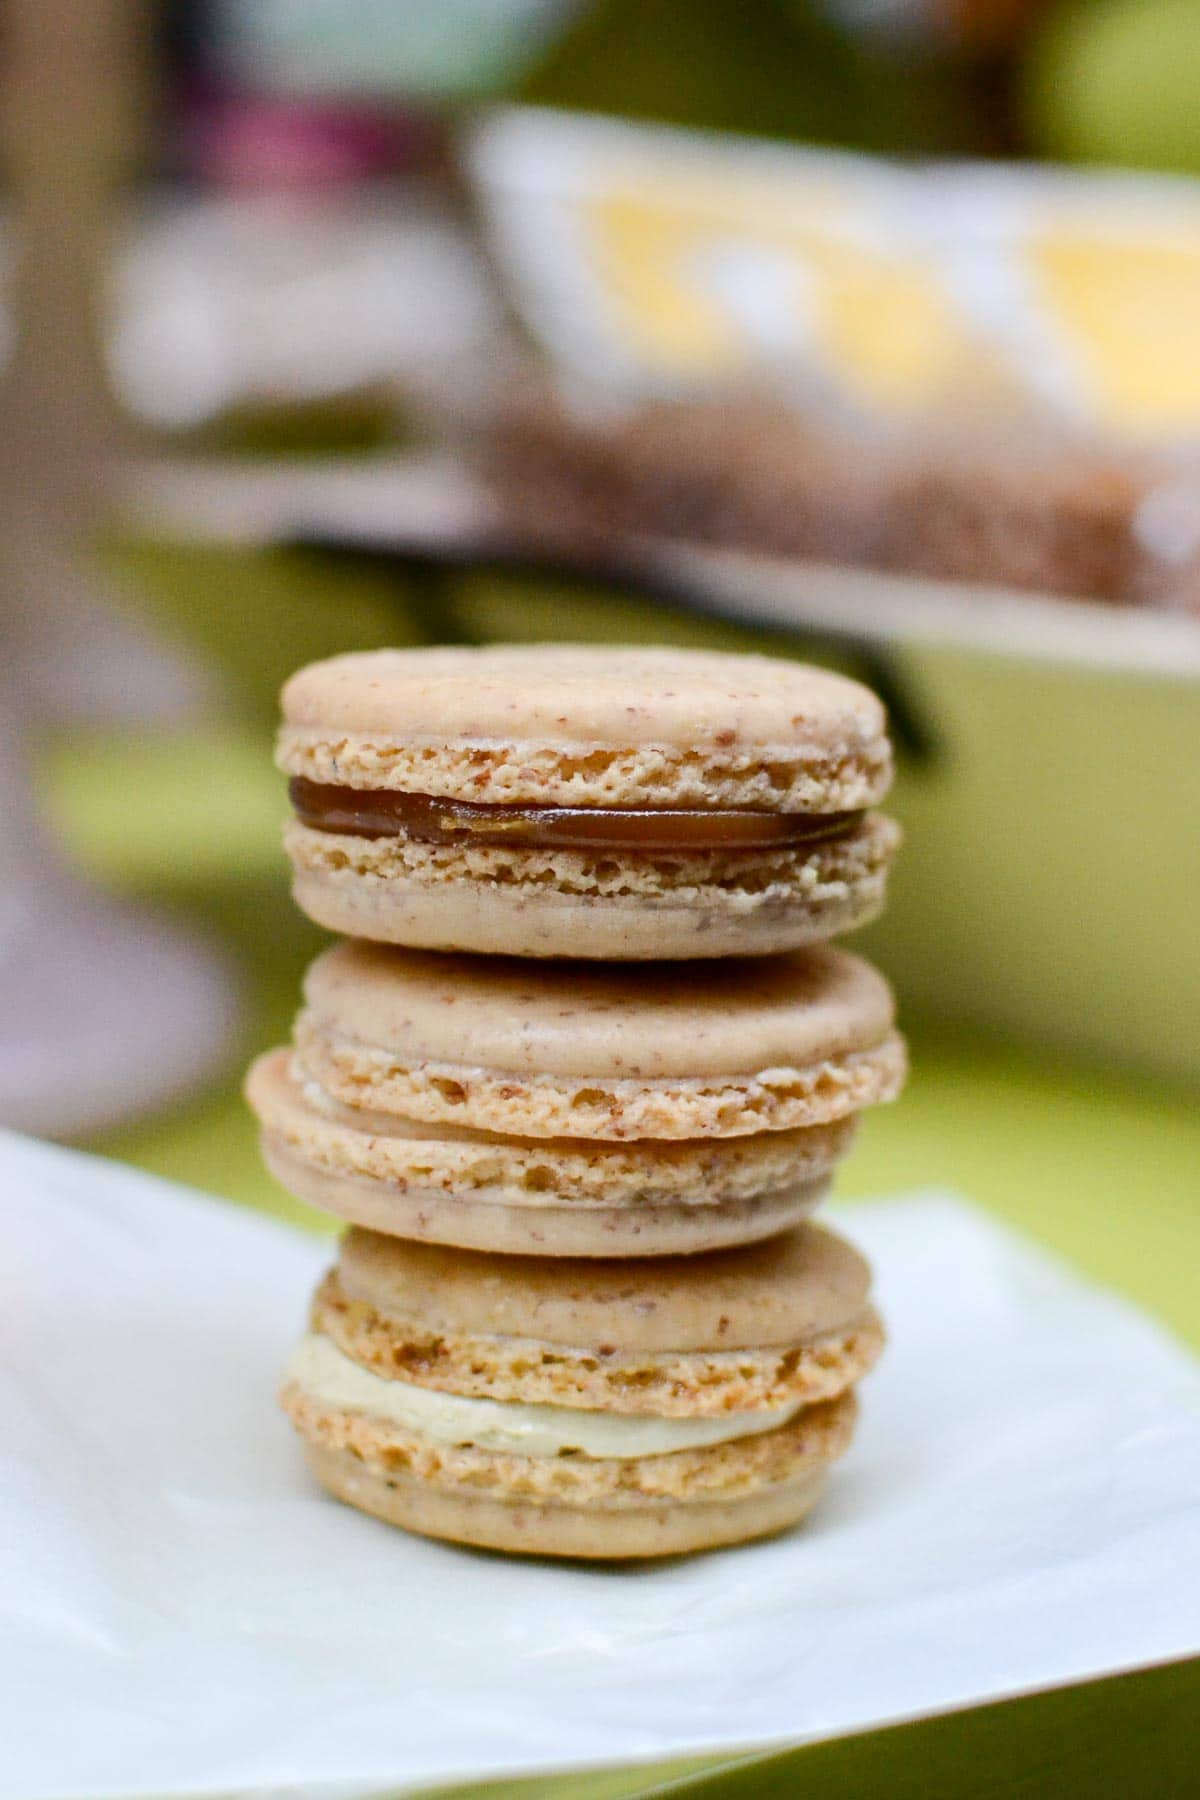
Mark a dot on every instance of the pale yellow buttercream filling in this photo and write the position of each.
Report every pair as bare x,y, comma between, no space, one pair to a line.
331,1378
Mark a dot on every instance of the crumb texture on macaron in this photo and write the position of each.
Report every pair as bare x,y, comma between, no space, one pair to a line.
772,1324
537,902
588,726
633,1530
682,1384
778,1099
459,1162
584,1050
812,1438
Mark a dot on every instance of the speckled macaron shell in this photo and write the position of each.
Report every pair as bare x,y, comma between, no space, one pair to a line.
602,904
784,1322
585,725
538,1196
581,726
784,1293
484,1511
588,1051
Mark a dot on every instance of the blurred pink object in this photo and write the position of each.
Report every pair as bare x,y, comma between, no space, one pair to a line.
249,141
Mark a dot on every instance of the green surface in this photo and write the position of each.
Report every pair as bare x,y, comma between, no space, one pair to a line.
1133,1738
781,68
1100,1167
1114,81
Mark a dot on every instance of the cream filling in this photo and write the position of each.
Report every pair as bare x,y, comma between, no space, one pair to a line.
326,1375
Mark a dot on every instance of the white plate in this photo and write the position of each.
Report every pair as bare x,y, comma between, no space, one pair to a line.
1021,1509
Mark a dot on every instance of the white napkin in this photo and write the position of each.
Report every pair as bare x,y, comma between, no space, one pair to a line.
183,1612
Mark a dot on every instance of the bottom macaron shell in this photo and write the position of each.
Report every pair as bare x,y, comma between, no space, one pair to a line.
542,1197
429,898
630,1533
576,1230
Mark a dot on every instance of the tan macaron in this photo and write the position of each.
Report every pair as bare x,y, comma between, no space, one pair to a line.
574,1110
577,801
601,1409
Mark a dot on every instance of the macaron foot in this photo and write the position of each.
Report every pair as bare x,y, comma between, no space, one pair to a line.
523,1527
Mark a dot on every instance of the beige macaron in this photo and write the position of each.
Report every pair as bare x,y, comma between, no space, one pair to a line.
574,1110
602,1409
577,801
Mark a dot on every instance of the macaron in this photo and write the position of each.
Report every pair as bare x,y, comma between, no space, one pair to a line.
580,801
574,1109
603,1409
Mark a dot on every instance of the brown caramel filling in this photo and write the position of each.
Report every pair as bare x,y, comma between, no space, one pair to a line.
360,812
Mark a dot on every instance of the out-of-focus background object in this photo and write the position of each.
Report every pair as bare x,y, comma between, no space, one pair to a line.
342,339
457,48
929,358
942,371
104,1011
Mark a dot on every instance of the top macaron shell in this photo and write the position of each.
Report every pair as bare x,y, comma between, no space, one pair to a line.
610,1052
587,729
803,1284
584,725
605,1023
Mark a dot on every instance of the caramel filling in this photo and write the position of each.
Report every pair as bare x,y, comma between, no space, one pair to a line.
361,812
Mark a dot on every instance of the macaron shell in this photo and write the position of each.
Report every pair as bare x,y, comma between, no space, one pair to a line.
522,1527
580,1020
531,1196
612,1111
683,1384
588,725
545,1230
784,1292
583,694
399,1154
611,906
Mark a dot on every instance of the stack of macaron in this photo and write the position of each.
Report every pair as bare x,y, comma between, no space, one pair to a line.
578,1072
